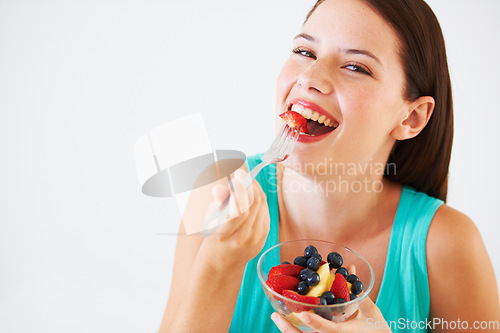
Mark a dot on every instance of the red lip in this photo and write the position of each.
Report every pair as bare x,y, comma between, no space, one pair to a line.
304,138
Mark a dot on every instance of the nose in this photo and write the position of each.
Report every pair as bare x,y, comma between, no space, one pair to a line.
317,77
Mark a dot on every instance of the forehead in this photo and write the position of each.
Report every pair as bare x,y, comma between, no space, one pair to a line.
352,24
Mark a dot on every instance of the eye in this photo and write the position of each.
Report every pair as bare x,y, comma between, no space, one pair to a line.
304,53
359,68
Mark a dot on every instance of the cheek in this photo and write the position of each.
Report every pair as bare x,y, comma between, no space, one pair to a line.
369,118
285,81
373,106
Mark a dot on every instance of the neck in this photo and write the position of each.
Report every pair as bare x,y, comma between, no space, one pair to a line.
344,204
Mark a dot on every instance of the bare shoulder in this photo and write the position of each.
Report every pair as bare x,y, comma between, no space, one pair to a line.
454,242
457,259
450,231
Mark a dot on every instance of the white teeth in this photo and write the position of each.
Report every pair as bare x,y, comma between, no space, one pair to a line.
307,113
298,108
310,114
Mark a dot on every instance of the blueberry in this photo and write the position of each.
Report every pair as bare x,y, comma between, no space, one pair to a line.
313,280
339,301
285,263
352,296
317,255
326,313
301,261
335,260
313,263
329,296
305,273
357,287
343,271
309,251
303,288
351,278
322,301
340,309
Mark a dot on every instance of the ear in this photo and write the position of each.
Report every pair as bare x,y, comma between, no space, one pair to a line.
419,113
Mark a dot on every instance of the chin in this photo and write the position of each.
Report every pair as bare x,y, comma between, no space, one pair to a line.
294,162
303,164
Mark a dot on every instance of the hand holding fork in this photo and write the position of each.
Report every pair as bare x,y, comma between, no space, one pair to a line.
279,151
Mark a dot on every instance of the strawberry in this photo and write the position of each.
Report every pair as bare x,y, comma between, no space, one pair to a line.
295,119
280,282
286,269
294,307
340,288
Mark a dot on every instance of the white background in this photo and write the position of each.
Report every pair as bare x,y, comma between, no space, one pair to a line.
81,81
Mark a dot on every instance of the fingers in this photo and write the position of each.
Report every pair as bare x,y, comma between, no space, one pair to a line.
250,219
283,325
220,193
322,325
317,322
242,198
248,209
250,190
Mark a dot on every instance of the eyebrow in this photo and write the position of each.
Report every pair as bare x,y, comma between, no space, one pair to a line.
362,52
306,37
347,51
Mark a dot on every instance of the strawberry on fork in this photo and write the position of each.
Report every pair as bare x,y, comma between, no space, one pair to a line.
295,119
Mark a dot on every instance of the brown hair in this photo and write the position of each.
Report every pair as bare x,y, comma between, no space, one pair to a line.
421,162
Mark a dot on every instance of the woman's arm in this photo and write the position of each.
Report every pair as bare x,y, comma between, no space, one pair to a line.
462,281
208,271
201,298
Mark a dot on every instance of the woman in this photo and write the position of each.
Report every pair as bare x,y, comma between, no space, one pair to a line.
377,71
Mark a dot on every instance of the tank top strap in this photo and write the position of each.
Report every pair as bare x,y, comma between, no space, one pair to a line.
404,292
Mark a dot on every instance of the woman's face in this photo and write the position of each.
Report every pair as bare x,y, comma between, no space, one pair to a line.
345,66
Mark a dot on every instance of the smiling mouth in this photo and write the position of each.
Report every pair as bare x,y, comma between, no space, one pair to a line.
317,124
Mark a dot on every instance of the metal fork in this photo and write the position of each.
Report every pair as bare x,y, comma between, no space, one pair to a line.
279,151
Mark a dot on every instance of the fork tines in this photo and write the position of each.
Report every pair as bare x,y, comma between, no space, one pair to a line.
286,139
291,143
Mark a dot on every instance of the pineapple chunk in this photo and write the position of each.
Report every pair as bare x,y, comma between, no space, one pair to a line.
324,279
330,282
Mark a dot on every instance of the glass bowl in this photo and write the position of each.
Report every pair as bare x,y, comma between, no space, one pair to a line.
288,308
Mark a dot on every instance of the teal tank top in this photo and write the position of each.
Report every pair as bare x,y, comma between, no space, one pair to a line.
404,292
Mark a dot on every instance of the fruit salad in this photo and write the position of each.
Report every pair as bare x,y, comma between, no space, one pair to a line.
311,280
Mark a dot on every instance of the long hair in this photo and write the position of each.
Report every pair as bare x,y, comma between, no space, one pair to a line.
423,161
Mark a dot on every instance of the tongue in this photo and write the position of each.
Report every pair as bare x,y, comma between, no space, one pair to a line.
315,129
